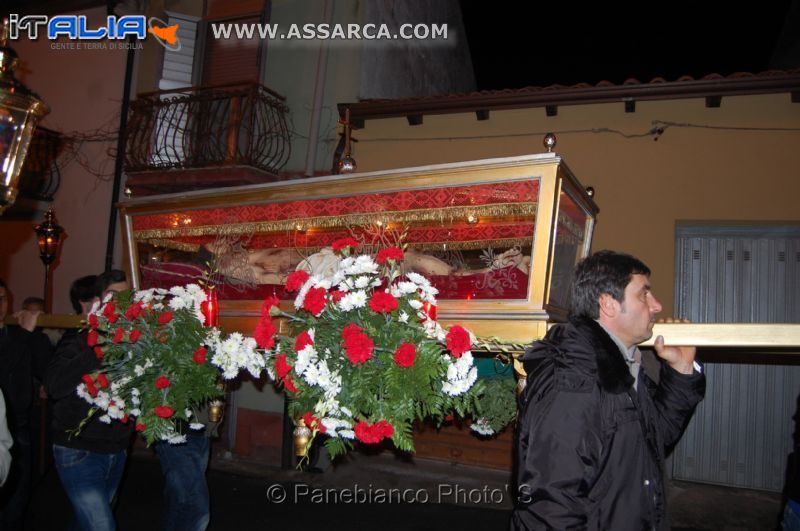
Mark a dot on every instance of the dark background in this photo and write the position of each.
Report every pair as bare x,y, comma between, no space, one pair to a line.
534,43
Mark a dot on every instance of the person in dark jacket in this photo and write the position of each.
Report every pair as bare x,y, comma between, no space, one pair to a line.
19,347
593,430
90,461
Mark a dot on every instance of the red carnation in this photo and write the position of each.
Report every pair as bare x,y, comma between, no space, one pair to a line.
125,418
102,381
199,355
288,383
140,427
282,367
92,337
269,302
350,330
165,318
382,302
373,433
98,351
365,433
164,412
390,253
315,300
134,337
119,335
458,341
162,382
295,280
109,311
303,340
93,321
133,311
313,422
358,348
336,295
405,354
384,428
91,389
344,243
109,308
264,333
87,379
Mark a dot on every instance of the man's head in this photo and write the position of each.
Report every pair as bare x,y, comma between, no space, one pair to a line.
112,280
614,289
83,293
3,301
33,304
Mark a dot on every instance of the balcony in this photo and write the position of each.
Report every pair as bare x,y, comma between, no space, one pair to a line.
206,137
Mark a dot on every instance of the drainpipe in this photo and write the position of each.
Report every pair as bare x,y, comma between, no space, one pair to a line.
123,123
319,92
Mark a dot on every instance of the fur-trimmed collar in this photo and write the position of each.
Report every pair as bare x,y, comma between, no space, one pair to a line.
612,371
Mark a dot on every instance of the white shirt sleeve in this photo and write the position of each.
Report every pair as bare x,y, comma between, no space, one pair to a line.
5,443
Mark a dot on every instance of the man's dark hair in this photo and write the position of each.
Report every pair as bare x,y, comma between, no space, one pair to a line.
2,284
33,300
603,272
112,276
83,290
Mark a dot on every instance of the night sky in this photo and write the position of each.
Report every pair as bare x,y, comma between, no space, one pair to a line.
558,42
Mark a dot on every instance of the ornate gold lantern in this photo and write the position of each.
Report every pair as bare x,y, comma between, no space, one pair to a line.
20,111
48,236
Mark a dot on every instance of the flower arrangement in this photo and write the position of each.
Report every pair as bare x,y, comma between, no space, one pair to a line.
366,357
160,361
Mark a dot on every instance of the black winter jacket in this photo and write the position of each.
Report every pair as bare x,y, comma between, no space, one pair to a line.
74,358
590,447
18,349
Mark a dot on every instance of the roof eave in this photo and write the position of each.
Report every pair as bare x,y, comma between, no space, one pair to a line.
737,85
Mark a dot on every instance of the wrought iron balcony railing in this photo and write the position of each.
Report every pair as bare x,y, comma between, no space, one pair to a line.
206,127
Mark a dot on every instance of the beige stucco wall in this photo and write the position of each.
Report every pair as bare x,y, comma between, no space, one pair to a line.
719,171
83,89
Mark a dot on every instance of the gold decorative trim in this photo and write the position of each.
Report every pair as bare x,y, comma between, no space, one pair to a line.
427,246
174,244
348,220
478,244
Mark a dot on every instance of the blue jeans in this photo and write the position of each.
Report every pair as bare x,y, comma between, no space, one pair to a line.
186,506
791,520
90,480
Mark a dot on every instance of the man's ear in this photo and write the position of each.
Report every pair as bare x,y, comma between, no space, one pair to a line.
608,306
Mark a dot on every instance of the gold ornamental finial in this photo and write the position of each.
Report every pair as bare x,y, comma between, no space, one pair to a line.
549,142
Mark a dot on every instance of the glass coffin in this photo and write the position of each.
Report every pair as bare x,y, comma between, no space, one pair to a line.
498,238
